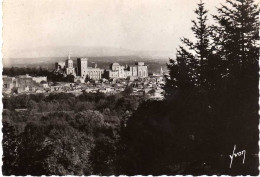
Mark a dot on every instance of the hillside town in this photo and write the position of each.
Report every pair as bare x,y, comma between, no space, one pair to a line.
91,80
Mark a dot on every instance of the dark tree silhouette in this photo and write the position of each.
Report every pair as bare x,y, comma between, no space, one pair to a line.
10,145
189,68
128,90
211,103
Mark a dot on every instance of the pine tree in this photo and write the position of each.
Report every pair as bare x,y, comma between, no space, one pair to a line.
238,34
202,32
190,69
235,101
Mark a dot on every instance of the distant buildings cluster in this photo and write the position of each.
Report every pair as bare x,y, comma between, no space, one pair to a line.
116,71
24,83
109,81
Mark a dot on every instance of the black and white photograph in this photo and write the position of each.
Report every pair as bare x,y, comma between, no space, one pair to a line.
130,87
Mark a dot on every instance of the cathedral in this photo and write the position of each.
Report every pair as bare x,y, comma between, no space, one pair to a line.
82,70
116,71
66,67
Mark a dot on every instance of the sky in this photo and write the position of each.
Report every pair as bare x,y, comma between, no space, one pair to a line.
139,25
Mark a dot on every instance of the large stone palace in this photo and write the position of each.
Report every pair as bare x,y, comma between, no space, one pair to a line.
85,71
116,71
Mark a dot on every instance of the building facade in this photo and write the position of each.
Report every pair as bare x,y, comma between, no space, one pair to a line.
82,65
23,83
65,67
116,71
88,72
70,70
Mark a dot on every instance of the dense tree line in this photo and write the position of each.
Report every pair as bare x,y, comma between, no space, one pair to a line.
211,104
15,71
63,133
51,75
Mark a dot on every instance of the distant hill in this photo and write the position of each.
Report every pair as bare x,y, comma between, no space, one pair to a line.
81,51
154,64
103,56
